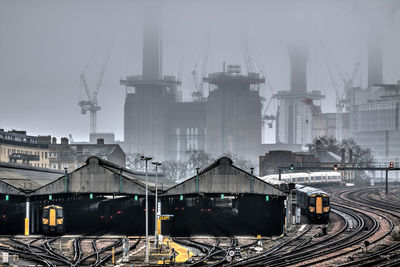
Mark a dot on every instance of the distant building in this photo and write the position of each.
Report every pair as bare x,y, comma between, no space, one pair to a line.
19,148
157,123
43,151
296,109
73,156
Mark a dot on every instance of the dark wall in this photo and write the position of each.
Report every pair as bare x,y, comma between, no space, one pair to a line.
211,215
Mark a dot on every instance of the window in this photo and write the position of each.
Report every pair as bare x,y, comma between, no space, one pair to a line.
45,213
45,155
59,213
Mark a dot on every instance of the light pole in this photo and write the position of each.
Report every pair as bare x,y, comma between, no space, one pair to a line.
146,159
156,205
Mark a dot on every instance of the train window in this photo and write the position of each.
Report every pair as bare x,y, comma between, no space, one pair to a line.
312,201
325,201
46,213
60,213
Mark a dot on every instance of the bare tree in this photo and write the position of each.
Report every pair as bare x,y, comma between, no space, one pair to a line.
175,170
134,163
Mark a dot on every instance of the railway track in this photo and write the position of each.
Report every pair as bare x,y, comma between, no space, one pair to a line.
366,200
44,254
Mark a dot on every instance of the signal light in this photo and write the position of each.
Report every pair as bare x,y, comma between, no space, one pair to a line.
136,198
90,196
335,168
266,198
391,165
7,197
222,196
50,197
292,167
181,197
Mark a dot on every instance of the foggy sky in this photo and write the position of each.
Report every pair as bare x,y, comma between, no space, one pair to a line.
46,44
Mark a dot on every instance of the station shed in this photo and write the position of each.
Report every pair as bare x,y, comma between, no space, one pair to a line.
17,182
223,200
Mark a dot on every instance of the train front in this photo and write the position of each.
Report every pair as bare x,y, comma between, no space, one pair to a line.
53,220
319,207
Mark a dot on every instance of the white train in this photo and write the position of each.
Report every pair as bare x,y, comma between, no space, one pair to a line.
306,177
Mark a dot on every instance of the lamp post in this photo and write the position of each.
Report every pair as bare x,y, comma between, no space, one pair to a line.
156,205
146,159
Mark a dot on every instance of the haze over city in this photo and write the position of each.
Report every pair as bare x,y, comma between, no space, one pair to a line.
45,46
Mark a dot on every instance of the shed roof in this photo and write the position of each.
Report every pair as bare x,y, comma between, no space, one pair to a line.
26,178
98,176
223,177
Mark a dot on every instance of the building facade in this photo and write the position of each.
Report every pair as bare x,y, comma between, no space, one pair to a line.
19,148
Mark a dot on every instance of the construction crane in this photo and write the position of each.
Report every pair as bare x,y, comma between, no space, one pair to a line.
91,104
341,99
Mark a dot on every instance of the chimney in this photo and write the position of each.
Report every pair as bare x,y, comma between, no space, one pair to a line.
64,141
152,50
374,58
100,141
298,54
54,141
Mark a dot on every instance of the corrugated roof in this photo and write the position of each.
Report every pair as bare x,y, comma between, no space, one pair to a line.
27,177
140,177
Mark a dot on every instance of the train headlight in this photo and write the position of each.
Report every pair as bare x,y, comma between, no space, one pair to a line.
326,209
311,209
60,221
45,221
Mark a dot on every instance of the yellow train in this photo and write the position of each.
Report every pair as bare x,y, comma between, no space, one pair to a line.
53,220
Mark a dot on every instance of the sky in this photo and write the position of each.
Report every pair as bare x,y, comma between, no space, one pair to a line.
46,44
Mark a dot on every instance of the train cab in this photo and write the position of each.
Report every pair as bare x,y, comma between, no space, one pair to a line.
53,220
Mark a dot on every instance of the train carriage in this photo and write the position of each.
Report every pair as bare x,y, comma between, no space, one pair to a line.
314,203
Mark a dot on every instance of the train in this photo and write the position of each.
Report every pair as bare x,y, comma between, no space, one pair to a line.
307,177
53,219
68,216
314,203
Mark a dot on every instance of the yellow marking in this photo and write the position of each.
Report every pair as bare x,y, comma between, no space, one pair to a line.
183,254
159,227
52,217
26,226
319,205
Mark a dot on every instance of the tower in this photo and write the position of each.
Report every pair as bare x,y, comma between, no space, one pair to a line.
234,113
148,97
294,118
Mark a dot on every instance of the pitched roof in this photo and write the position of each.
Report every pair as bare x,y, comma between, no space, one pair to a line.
26,177
223,177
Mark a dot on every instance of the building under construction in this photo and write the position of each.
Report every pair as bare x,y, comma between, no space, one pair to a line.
159,124
296,109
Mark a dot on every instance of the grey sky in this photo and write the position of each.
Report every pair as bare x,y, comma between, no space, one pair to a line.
44,45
